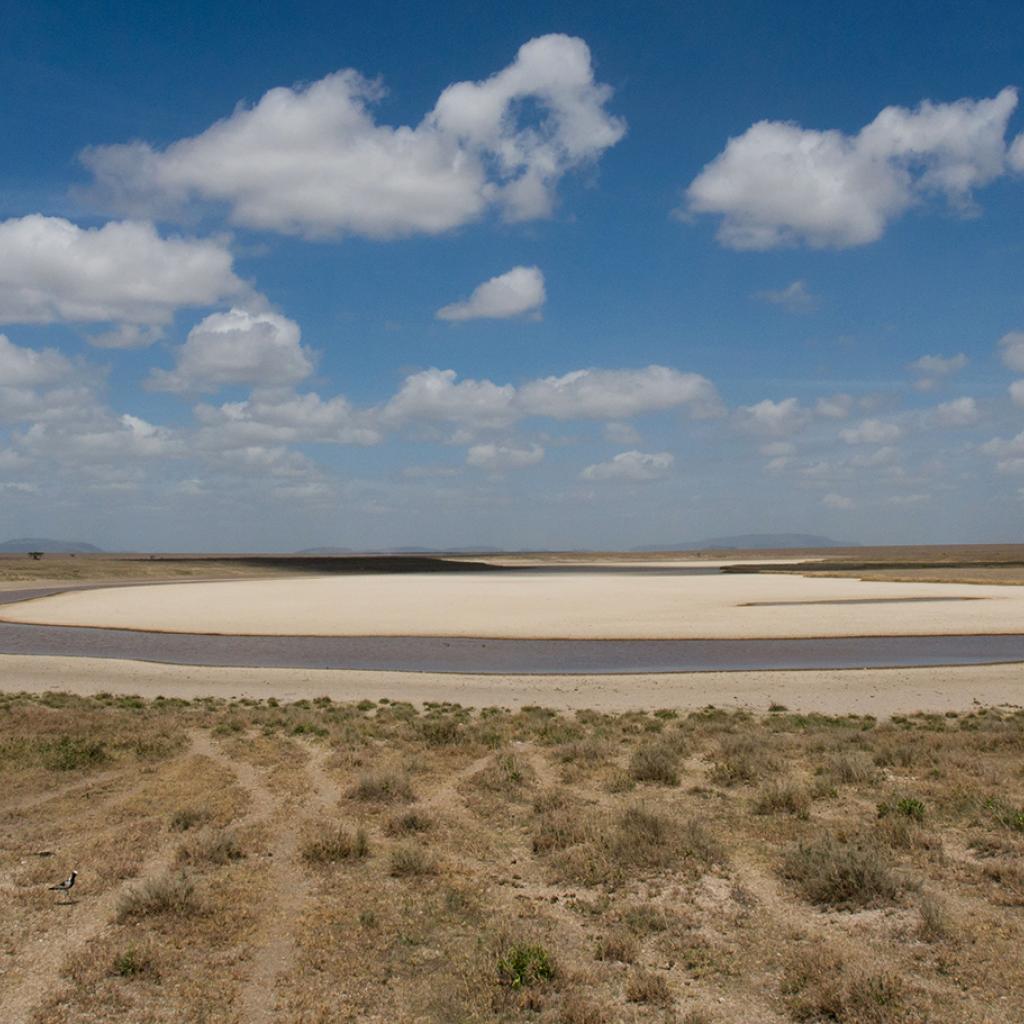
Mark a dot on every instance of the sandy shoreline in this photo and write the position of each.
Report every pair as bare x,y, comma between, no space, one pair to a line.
571,606
880,692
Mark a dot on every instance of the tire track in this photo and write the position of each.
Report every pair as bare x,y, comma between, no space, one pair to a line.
287,891
43,960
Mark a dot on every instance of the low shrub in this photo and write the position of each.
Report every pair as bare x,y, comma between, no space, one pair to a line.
783,798
842,875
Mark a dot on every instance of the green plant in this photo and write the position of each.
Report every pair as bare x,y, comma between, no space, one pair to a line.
133,962
521,965
905,806
70,753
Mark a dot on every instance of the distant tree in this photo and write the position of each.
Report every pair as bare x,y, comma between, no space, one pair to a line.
35,555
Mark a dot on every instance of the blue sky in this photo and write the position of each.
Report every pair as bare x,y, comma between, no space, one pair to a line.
605,276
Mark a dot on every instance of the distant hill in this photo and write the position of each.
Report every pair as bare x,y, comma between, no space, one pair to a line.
751,542
57,547
325,551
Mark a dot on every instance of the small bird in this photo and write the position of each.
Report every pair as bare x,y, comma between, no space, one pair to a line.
65,886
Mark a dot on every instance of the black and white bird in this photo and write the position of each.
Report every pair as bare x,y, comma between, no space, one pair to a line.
66,886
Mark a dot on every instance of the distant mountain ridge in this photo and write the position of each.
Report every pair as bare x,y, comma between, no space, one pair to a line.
22,545
753,541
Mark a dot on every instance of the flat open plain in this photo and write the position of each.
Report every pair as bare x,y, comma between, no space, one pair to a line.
670,603
300,845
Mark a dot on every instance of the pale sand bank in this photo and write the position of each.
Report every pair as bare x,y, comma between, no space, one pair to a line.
572,605
879,692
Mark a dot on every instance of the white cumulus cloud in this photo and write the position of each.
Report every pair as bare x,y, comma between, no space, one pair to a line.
834,407
960,412
439,396
237,347
519,291
632,465
872,431
499,457
795,297
1017,392
773,419
929,370
779,183
124,272
1011,348
312,160
618,394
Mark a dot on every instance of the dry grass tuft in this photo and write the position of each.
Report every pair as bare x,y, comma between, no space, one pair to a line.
843,875
382,787
211,846
618,946
333,844
506,775
818,987
743,760
412,861
785,797
648,987
188,817
409,823
171,894
656,761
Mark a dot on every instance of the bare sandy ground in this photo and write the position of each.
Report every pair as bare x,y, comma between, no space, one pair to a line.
879,692
573,605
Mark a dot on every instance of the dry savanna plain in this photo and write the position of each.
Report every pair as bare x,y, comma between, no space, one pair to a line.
402,847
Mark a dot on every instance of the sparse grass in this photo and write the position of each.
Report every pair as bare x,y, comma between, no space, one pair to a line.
648,987
170,894
506,775
72,754
656,761
818,986
188,817
210,846
618,877
619,946
843,875
742,760
134,962
332,844
382,787
937,921
412,861
785,797
408,823
904,806
850,769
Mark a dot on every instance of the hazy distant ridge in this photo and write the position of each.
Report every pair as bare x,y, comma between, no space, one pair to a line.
752,541
22,544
